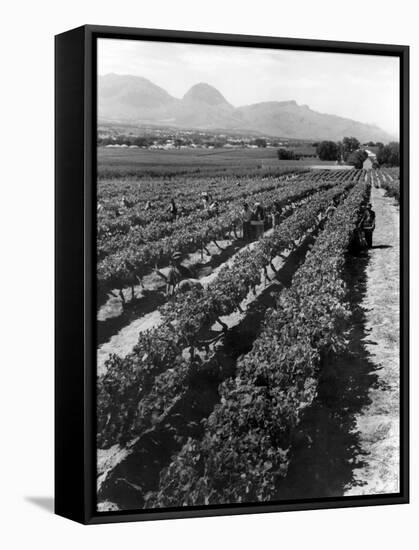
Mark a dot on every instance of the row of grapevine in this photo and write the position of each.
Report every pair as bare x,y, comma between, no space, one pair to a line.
114,218
159,228
117,270
245,449
140,188
128,380
390,181
134,170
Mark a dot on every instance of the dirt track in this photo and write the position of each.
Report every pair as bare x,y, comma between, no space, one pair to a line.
378,423
348,440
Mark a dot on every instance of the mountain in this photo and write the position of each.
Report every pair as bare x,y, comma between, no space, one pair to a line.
203,106
125,97
205,94
137,100
288,119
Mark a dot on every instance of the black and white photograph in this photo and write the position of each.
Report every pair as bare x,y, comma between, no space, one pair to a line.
248,275
208,238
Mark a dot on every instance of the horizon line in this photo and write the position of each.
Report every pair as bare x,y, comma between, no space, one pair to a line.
372,124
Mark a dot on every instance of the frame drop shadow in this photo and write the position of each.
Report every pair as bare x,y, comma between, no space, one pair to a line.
46,503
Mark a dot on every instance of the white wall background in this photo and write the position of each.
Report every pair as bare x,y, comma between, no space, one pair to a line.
26,306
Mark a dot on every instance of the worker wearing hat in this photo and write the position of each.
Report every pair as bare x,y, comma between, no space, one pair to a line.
177,273
258,220
205,200
367,224
174,276
214,208
246,215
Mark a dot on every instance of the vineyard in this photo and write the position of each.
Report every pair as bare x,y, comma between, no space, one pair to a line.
206,405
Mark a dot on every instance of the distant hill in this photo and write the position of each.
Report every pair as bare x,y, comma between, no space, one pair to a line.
127,98
204,107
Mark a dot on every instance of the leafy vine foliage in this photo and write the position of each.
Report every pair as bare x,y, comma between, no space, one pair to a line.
135,240
137,389
245,448
241,449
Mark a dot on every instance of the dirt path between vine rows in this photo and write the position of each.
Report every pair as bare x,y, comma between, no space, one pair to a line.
377,425
123,342
119,466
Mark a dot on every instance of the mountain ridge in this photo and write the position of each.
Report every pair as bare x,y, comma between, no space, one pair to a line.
204,107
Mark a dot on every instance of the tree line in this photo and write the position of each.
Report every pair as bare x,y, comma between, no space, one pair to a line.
349,150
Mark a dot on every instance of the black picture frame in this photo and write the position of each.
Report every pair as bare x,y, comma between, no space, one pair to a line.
75,354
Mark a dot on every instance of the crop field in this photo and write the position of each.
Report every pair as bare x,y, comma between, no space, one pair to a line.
120,162
205,394
389,180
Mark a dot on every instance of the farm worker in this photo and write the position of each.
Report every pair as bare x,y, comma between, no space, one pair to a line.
147,205
359,213
133,278
214,208
174,276
206,200
176,257
368,224
275,214
258,220
246,215
172,208
179,276
259,213
358,242
279,211
287,207
331,209
125,203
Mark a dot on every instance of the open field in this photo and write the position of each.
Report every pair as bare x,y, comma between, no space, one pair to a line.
121,162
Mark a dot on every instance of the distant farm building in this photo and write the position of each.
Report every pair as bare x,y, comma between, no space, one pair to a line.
368,164
371,161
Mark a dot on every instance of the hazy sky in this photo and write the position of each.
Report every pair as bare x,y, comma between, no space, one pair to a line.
360,87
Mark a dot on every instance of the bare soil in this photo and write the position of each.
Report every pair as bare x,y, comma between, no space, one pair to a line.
378,423
125,339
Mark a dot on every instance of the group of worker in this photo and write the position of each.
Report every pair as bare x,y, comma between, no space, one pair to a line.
256,220
210,206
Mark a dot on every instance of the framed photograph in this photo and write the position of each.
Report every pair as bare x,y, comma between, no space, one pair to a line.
231,274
